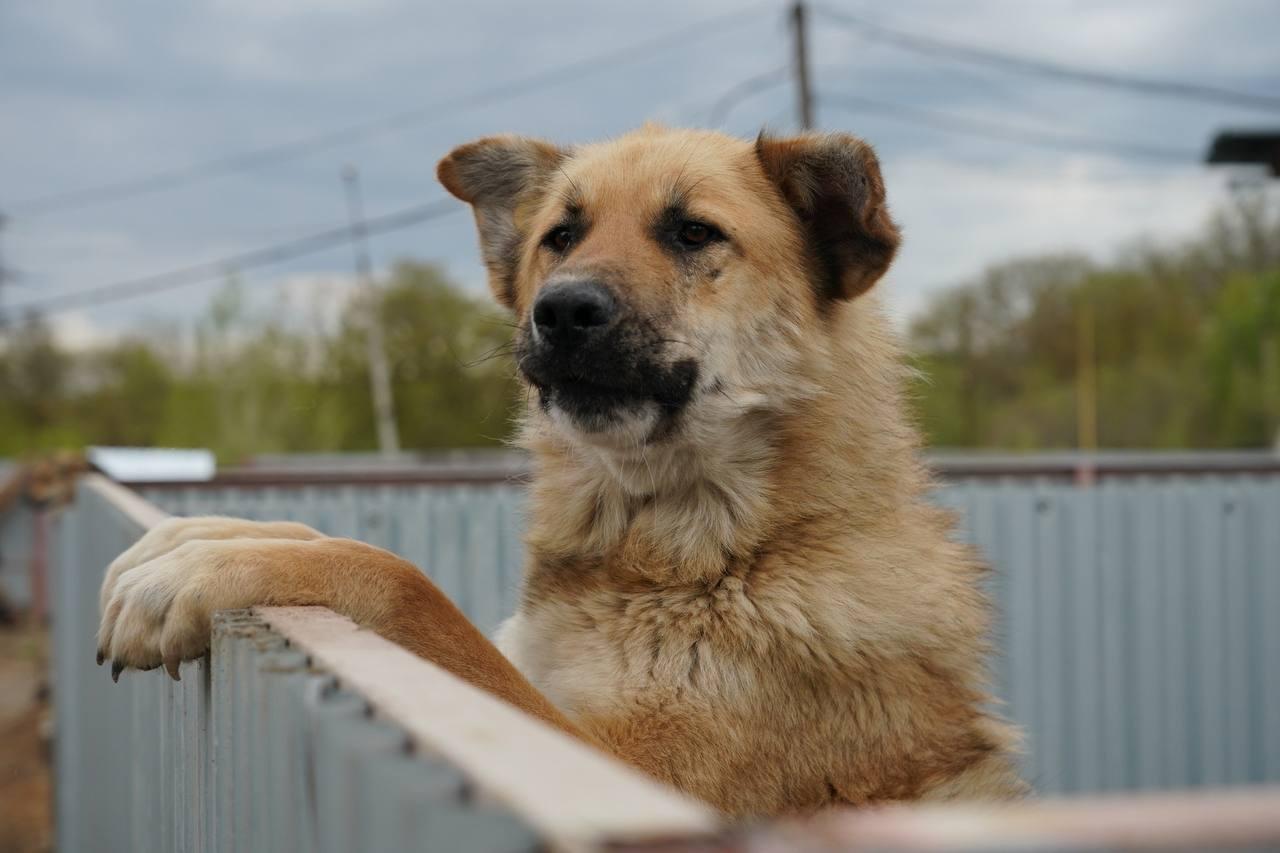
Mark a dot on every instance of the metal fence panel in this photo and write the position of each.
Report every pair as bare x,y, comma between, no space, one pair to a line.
1135,635
17,544
251,751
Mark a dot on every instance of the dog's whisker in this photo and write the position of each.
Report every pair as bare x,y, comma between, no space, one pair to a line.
496,352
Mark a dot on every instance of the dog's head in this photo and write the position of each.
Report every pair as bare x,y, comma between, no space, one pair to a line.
670,278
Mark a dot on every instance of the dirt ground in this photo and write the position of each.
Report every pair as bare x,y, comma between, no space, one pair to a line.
25,777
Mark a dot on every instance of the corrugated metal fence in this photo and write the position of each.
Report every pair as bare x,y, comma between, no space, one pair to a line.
16,552
1137,635
175,738
1137,642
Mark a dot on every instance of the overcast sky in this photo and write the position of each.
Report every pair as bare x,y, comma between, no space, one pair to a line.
92,93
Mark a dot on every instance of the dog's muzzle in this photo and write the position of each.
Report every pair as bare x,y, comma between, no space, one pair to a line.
593,358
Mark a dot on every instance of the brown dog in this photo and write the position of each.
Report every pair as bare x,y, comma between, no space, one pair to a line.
735,579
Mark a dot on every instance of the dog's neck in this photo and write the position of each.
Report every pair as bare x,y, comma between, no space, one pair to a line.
747,472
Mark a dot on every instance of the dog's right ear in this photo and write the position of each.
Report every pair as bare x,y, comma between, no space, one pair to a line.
832,181
500,177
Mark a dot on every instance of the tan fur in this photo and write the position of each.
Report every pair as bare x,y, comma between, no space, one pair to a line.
762,607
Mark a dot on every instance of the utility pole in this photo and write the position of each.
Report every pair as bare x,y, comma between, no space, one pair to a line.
804,91
1086,391
379,375
3,275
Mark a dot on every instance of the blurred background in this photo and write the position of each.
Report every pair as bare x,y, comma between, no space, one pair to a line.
220,231
180,267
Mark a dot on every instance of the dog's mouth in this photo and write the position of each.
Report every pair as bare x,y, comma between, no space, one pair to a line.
576,394
597,400
615,382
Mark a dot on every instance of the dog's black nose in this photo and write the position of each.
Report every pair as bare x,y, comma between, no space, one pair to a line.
570,313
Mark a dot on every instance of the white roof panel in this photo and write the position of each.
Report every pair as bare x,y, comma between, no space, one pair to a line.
154,464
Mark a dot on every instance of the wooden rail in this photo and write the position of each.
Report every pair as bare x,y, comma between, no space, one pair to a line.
1185,820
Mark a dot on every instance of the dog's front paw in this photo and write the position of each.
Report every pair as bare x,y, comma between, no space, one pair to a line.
174,532
160,611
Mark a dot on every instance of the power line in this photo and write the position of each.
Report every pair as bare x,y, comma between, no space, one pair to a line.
447,108
220,267
935,46
323,240
1005,132
739,92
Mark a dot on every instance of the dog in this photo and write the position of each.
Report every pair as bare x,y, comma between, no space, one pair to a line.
735,579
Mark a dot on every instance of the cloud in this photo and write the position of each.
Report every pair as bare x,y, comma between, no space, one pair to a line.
313,302
76,331
91,97
958,219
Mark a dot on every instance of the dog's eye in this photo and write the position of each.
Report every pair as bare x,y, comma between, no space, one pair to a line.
694,235
559,239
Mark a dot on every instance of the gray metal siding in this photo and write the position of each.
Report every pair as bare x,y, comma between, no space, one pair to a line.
251,750
16,552
1135,636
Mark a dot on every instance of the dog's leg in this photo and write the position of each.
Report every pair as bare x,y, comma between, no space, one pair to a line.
159,611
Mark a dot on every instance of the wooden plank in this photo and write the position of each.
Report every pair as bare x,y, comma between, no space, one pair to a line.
1181,821
576,796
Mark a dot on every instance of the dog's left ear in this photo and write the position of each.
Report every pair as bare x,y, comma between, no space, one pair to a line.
833,183
500,177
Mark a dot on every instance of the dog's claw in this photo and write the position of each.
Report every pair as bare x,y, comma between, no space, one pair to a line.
172,667
101,656
116,669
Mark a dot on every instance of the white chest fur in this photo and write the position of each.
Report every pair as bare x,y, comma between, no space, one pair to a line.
608,650
576,669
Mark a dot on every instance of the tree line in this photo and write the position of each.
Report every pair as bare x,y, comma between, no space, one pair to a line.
244,383
1164,346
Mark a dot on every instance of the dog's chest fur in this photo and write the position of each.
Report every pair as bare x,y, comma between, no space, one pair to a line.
615,646
812,675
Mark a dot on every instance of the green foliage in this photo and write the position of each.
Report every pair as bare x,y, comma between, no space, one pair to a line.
244,384
1183,342
452,378
1242,352
35,380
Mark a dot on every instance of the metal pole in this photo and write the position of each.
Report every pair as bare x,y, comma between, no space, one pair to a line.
804,92
1086,391
379,374
3,272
